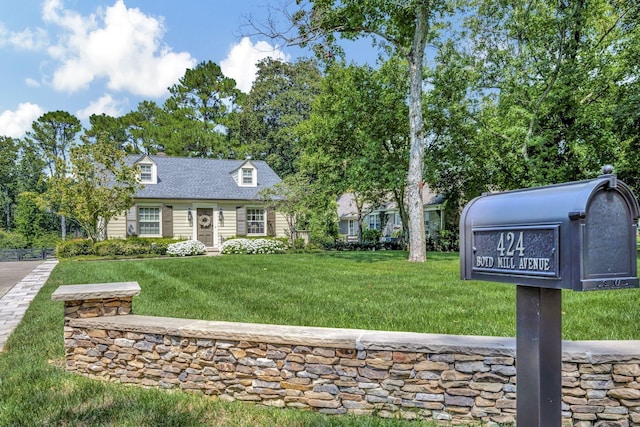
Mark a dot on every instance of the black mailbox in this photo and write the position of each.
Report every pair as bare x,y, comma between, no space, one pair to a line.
578,235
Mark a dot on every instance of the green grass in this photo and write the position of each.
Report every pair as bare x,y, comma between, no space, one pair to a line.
353,290
364,290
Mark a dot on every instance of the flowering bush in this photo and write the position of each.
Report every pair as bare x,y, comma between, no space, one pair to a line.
253,246
186,248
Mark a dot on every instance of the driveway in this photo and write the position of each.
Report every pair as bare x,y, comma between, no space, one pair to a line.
14,271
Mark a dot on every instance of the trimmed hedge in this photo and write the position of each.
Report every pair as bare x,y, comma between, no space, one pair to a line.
339,245
115,247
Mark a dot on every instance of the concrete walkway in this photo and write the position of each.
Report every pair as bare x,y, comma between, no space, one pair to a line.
20,282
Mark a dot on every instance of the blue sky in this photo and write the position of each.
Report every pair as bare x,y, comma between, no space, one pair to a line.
105,56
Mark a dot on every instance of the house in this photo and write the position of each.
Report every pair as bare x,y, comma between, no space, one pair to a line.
205,199
386,217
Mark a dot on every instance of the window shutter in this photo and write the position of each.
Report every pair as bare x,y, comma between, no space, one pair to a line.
241,221
167,221
132,221
271,222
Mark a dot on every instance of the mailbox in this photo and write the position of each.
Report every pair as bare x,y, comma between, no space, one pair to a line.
577,235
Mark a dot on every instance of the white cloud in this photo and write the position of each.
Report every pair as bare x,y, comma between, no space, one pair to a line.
26,39
31,82
240,63
118,43
103,105
16,123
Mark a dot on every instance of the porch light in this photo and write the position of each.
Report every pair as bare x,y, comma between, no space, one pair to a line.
220,215
189,215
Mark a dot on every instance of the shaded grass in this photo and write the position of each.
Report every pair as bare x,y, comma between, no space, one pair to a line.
352,290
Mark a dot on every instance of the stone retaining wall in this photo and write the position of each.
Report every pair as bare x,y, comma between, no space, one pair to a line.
457,379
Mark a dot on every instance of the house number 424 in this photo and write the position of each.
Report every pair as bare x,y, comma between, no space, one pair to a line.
510,243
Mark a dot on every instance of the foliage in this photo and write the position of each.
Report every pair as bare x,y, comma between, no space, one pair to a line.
74,247
404,30
31,220
549,79
371,235
186,248
52,135
253,246
356,139
341,246
8,159
290,197
13,240
98,186
446,241
48,240
280,99
132,246
199,112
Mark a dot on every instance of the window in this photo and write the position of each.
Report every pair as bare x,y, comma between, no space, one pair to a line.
353,230
374,222
255,221
247,176
397,220
149,221
146,174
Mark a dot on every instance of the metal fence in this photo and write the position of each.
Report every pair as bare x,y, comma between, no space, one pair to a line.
31,254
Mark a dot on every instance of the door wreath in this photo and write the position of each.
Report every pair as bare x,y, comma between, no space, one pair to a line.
204,220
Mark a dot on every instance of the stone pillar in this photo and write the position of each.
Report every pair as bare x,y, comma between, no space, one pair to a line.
96,300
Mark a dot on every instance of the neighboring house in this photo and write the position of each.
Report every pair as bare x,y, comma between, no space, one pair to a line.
202,199
386,218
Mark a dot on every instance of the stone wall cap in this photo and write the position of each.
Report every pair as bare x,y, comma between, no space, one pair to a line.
234,331
436,343
601,351
96,291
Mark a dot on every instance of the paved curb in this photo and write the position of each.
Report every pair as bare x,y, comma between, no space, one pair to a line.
14,303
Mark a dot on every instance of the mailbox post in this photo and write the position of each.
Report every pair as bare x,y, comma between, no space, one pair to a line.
577,235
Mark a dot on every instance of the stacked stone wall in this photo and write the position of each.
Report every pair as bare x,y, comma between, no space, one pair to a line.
452,379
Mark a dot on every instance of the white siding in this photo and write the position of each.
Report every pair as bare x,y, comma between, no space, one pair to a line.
117,227
182,229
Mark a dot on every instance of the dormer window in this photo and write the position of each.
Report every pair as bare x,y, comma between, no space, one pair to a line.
146,175
147,171
247,176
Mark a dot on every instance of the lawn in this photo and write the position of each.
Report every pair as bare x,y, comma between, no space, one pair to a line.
378,290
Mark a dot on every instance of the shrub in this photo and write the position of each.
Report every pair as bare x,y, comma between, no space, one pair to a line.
253,246
12,240
371,235
340,245
76,247
48,240
186,248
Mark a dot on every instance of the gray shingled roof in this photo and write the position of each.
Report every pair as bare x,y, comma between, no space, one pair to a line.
196,178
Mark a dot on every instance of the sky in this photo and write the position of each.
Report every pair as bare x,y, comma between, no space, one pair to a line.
105,56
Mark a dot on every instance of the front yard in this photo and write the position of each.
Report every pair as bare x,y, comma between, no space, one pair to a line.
367,290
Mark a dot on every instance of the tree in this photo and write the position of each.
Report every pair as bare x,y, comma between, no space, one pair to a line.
97,185
116,129
552,76
145,127
401,27
290,198
280,99
199,111
31,220
52,135
8,159
356,139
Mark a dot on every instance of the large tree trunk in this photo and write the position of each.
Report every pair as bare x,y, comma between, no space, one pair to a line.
415,209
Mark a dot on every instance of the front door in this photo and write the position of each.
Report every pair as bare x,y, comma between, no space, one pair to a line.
205,226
